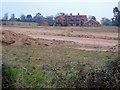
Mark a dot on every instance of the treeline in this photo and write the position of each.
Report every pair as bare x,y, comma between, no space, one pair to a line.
114,21
27,18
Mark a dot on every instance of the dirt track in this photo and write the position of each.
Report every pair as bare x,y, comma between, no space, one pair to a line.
88,40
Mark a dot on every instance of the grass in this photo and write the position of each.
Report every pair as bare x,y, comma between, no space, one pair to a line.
51,67
86,29
38,55
37,66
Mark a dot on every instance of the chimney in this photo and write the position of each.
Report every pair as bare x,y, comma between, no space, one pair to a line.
71,14
78,14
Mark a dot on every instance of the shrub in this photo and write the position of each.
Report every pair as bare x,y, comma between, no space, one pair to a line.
68,75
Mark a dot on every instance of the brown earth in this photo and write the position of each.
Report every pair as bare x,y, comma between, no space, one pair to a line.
11,38
85,40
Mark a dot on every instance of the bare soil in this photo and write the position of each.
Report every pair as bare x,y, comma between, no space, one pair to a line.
80,39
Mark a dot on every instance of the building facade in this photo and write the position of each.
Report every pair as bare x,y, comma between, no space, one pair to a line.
92,23
75,20
70,20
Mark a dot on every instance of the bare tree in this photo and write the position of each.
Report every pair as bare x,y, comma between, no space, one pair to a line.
92,17
5,16
12,16
38,17
60,14
22,18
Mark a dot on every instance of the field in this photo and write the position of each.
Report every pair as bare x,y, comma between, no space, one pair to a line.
90,38
55,57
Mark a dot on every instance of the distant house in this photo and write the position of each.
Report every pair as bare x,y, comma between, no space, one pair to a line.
70,20
92,23
59,20
75,20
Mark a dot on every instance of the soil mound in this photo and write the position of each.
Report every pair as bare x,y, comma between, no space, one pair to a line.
12,38
9,37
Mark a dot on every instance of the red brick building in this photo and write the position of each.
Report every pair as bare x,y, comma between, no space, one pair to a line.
59,20
75,20
92,23
71,20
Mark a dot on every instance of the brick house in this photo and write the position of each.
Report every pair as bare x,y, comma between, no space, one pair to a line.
70,20
92,23
75,20
59,20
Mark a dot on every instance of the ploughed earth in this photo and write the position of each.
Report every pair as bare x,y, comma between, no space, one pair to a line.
71,37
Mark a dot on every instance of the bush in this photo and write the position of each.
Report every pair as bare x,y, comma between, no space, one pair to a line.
6,80
69,75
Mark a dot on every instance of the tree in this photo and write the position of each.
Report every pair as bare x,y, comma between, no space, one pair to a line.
22,18
106,21
92,17
60,14
50,20
38,17
13,15
5,16
18,19
115,11
29,18
116,17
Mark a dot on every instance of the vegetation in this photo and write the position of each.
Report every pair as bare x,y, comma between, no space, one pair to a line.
57,67
38,18
115,21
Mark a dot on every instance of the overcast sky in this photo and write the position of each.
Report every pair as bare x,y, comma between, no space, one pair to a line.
102,8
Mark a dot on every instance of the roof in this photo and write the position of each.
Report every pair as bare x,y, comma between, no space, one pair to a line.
92,20
60,17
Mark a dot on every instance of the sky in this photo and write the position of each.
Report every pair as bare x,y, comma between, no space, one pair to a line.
99,9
